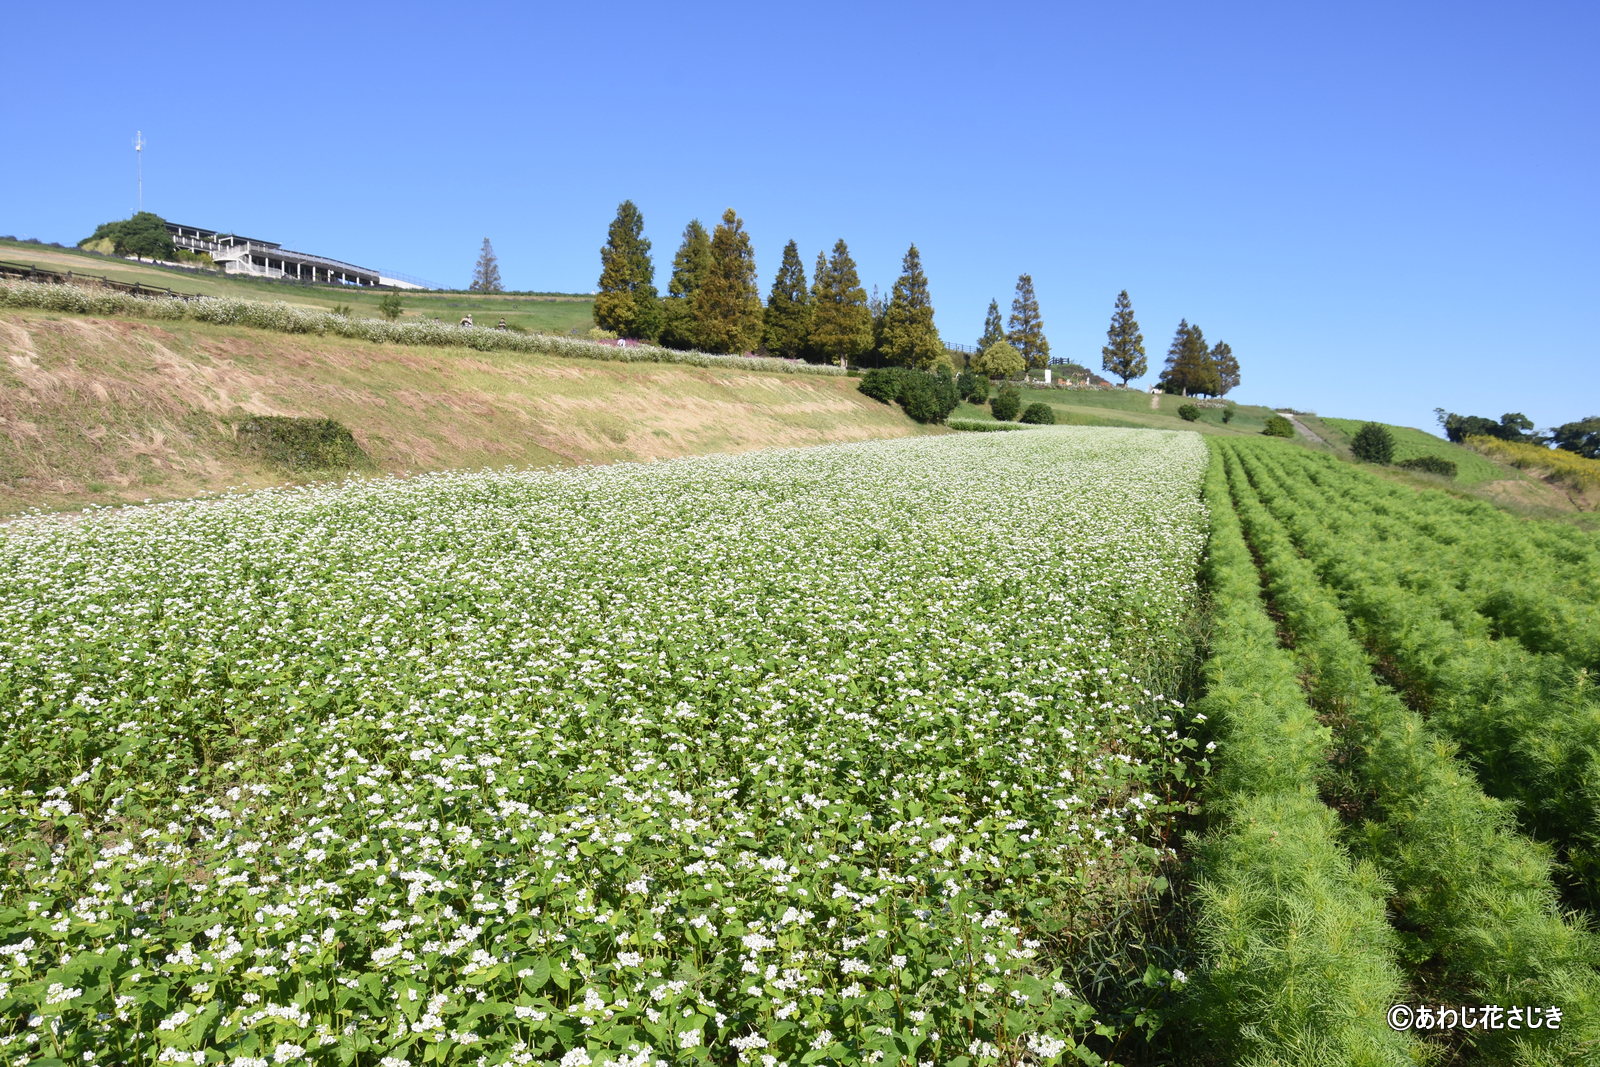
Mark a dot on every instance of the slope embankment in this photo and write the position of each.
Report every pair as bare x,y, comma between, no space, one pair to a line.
101,410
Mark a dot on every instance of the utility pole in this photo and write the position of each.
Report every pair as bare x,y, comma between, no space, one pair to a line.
138,155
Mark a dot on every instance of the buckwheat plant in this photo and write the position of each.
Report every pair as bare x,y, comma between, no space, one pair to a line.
795,756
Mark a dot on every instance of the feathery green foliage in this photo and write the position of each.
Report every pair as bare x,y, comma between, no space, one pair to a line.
908,337
486,272
841,324
1227,367
1299,964
727,306
786,326
627,303
1484,926
993,329
1123,354
690,266
1190,370
1026,328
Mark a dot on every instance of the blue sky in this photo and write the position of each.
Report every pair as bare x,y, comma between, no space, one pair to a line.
1383,208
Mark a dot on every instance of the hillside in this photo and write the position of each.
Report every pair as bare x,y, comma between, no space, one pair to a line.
549,312
98,410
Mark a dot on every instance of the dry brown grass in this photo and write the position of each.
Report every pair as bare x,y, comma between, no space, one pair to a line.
105,410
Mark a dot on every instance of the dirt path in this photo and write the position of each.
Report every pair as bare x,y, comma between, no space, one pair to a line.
1305,432
1155,401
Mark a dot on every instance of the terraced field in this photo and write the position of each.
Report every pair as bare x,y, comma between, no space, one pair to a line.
870,753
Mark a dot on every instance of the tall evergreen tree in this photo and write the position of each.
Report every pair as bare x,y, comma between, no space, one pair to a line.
1189,370
1227,367
486,274
727,306
689,269
1123,354
627,303
1026,332
786,329
909,338
993,329
841,323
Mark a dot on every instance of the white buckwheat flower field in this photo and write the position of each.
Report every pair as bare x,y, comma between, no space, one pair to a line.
849,754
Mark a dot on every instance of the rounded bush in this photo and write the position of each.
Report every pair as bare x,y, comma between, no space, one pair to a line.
1373,444
881,384
1007,403
1039,413
1188,412
1278,426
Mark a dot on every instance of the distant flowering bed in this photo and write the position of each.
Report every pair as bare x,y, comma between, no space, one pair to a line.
285,318
796,756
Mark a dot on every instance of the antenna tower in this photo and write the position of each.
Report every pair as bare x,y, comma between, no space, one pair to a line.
138,154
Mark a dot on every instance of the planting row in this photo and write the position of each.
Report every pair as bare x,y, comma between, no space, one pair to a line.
1529,721
1472,899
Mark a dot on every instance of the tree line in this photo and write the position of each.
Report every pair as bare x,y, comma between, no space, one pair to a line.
1581,437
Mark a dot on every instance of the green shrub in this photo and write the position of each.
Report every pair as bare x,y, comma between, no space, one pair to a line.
390,307
1228,413
971,387
1430,465
920,398
1373,444
1278,426
302,444
1039,413
1188,412
881,384
1007,403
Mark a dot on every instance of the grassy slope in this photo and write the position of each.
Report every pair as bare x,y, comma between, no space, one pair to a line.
1472,469
1129,407
555,313
99,410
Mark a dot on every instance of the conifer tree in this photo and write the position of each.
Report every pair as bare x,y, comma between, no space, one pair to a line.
909,338
689,268
786,329
1227,367
1189,370
627,303
841,323
1026,333
1123,354
993,330
727,306
486,275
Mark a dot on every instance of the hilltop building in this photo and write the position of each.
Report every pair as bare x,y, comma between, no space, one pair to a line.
268,259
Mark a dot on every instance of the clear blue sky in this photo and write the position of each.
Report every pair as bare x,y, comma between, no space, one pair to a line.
1382,207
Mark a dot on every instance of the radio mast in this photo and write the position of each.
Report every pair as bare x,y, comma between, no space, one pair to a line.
138,155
